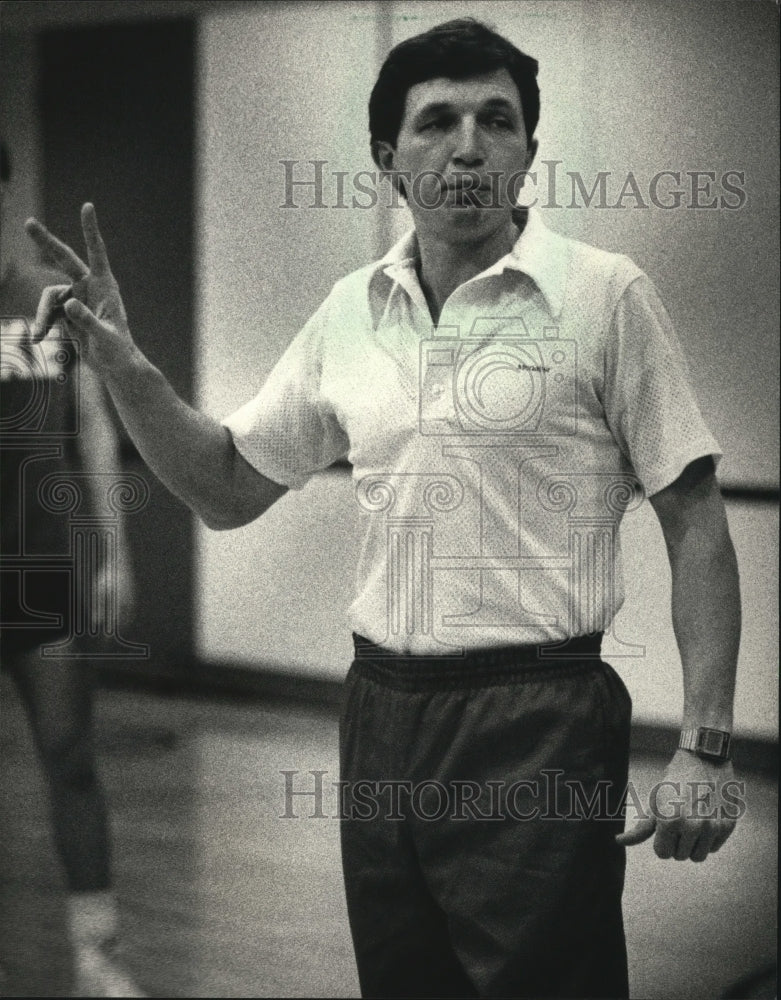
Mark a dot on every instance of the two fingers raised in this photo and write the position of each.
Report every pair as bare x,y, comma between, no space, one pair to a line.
61,254
54,299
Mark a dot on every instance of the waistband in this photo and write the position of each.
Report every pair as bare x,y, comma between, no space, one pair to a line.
476,667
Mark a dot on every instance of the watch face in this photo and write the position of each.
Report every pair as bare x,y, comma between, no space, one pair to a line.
713,742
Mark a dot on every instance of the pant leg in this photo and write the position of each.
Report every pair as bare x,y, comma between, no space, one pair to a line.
533,904
400,933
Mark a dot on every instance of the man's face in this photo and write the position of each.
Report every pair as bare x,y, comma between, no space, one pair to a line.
461,151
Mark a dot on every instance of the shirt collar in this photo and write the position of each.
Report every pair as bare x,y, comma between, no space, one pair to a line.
538,252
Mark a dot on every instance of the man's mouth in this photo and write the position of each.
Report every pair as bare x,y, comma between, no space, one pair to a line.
470,195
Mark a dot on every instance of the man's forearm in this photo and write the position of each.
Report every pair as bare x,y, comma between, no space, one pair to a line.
707,619
190,452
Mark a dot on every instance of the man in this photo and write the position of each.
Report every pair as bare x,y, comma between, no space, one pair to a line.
503,395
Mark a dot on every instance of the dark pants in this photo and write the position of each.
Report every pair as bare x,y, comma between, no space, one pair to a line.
486,863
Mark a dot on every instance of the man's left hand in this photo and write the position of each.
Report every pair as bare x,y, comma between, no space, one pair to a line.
690,815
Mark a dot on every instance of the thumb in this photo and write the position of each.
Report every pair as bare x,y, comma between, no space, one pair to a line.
640,831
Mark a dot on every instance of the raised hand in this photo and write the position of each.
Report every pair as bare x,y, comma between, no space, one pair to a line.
190,452
92,304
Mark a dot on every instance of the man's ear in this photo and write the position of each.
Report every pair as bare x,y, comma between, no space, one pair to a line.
384,155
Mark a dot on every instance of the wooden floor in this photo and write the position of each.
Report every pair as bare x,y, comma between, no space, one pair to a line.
220,896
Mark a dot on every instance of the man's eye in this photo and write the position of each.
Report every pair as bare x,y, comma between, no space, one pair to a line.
500,122
435,124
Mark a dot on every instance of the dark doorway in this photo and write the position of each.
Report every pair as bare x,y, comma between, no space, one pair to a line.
117,107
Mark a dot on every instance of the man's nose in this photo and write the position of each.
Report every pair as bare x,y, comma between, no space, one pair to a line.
468,150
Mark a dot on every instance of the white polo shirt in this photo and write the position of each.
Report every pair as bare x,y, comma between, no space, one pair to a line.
494,454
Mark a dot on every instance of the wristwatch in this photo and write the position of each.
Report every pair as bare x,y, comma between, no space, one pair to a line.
712,744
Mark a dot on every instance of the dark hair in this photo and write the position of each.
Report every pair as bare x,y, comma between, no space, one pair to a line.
456,50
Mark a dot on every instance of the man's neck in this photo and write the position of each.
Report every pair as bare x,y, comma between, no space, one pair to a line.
443,265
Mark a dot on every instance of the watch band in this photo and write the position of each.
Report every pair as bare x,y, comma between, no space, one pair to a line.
705,742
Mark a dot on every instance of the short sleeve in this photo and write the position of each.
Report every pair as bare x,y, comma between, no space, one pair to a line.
649,401
286,432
